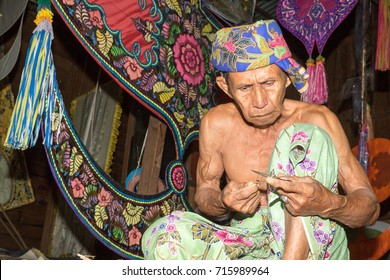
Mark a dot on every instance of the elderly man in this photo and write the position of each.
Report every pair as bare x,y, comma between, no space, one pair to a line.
294,211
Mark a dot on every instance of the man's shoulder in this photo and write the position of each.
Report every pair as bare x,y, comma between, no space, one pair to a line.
220,117
319,115
310,112
224,112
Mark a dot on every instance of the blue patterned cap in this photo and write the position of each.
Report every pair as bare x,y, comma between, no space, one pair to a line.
248,47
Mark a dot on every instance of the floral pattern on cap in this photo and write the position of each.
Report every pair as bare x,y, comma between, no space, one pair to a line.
248,47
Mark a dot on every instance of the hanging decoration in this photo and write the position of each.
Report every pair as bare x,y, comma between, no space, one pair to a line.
312,22
36,98
382,59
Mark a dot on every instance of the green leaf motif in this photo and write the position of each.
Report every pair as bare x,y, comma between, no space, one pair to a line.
234,251
162,239
100,216
132,214
116,51
119,235
204,233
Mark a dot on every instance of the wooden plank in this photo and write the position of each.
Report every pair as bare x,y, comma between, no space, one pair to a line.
11,245
151,160
131,120
30,214
48,225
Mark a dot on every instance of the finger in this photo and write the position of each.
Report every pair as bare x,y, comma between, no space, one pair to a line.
287,187
261,185
252,205
243,196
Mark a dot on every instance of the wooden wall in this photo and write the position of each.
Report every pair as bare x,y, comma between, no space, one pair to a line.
77,73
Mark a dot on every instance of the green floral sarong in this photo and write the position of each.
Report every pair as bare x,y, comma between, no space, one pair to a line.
301,150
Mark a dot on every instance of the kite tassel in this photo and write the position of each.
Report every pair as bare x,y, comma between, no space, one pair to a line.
307,96
321,86
35,86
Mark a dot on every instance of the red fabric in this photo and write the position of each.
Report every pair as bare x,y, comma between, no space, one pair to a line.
119,15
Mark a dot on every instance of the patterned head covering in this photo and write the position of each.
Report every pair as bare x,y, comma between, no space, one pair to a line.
248,47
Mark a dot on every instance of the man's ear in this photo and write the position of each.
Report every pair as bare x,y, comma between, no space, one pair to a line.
288,81
221,82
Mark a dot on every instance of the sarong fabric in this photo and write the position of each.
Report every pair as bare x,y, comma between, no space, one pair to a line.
300,150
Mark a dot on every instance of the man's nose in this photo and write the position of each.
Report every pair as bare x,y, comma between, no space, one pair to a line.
259,98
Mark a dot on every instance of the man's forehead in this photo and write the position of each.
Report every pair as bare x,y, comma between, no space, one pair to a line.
263,72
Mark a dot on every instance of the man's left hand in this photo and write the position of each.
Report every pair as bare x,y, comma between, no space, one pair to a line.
305,196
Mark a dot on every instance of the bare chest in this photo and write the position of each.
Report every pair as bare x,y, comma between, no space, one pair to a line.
243,153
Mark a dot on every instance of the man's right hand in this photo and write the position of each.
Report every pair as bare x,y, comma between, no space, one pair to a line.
242,197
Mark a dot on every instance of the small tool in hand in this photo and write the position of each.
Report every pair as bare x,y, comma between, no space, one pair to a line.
267,175
282,197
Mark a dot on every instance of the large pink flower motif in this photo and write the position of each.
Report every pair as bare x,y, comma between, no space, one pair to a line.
134,236
104,197
132,68
230,238
178,178
189,59
77,188
96,18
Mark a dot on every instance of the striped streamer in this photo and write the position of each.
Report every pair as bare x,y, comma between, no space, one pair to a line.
36,96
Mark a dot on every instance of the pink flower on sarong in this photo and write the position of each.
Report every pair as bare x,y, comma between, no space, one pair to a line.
299,136
77,188
277,230
171,227
230,238
172,218
172,248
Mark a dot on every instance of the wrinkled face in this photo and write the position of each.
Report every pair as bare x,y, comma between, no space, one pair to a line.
258,93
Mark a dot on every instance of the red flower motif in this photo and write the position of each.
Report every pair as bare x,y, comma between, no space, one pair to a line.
229,45
189,59
96,18
77,188
134,236
230,238
104,197
280,45
132,68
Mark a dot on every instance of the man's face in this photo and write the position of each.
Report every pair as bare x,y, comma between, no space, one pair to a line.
258,93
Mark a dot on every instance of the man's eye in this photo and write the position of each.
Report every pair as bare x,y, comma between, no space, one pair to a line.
269,83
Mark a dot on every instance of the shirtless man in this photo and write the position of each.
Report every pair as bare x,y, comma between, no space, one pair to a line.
236,138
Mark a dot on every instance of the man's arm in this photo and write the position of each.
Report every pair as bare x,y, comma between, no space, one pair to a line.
210,168
359,207
241,197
